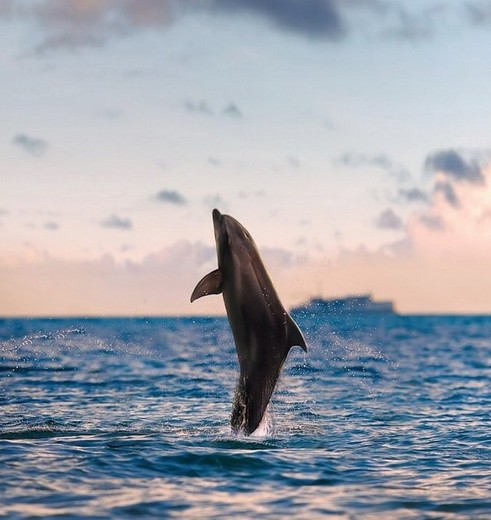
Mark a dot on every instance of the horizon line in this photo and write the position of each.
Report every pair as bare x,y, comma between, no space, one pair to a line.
211,315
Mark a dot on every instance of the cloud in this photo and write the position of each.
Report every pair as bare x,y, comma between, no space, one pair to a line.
417,282
458,212
203,107
232,110
171,197
380,161
441,265
279,260
52,226
159,284
215,201
214,161
116,222
358,159
293,161
314,18
412,195
72,24
198,107
388,219
6,7
31,145
251,194
451,164
411,26
448,192
76,23
433,222
110,113
479,13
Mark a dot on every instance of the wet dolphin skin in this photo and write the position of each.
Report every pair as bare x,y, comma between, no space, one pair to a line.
263,330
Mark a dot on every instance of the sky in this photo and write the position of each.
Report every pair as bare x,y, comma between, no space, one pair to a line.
350,137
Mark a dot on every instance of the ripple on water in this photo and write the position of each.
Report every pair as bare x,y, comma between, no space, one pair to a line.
118,418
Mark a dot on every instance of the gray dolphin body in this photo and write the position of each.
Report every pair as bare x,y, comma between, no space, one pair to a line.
263,330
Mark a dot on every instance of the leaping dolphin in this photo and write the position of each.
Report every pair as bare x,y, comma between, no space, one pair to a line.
263,330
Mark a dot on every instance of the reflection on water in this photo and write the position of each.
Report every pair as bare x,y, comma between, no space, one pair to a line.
120,418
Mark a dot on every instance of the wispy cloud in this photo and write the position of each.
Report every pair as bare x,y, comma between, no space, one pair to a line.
161,283
388,219
479,12
457,211
379,161
71,24
6,7
402,24
203,107
52,226
171,197
232,110
293,161
334,20
251,194
412,195
315,18
213,161
117,222
76,23
215,201
110,113
448,192
359,159
31,145
431,221
198,107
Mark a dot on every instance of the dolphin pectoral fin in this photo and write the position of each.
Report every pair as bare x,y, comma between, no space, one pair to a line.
209,284
294,335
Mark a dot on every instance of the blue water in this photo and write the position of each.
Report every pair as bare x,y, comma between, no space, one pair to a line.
118,418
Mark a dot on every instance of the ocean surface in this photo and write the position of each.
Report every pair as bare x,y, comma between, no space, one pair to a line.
385,417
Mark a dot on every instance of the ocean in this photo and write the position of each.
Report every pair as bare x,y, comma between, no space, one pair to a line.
385,417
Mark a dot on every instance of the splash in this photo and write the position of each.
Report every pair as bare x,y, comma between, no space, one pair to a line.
266,427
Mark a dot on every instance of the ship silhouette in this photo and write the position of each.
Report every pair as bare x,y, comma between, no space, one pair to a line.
349,305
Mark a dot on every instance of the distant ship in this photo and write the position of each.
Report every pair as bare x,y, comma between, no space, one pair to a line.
350,305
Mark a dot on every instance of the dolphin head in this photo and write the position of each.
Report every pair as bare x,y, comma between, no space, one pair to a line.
231,237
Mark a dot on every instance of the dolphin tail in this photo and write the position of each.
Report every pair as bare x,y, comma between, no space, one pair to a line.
250,403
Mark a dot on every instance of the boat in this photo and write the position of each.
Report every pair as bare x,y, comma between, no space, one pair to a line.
349,305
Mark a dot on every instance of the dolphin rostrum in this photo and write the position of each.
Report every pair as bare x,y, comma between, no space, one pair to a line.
263,330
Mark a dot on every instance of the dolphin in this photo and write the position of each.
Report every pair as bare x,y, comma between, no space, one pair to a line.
263,330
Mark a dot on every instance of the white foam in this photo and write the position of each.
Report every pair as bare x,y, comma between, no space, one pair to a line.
266,426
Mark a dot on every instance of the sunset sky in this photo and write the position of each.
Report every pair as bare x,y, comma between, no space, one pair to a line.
351,137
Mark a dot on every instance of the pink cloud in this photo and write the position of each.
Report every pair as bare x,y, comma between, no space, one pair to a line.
161,283
463,229
442,265
74,23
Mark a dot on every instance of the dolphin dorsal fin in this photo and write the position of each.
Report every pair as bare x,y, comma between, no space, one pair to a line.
209,284
294,335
